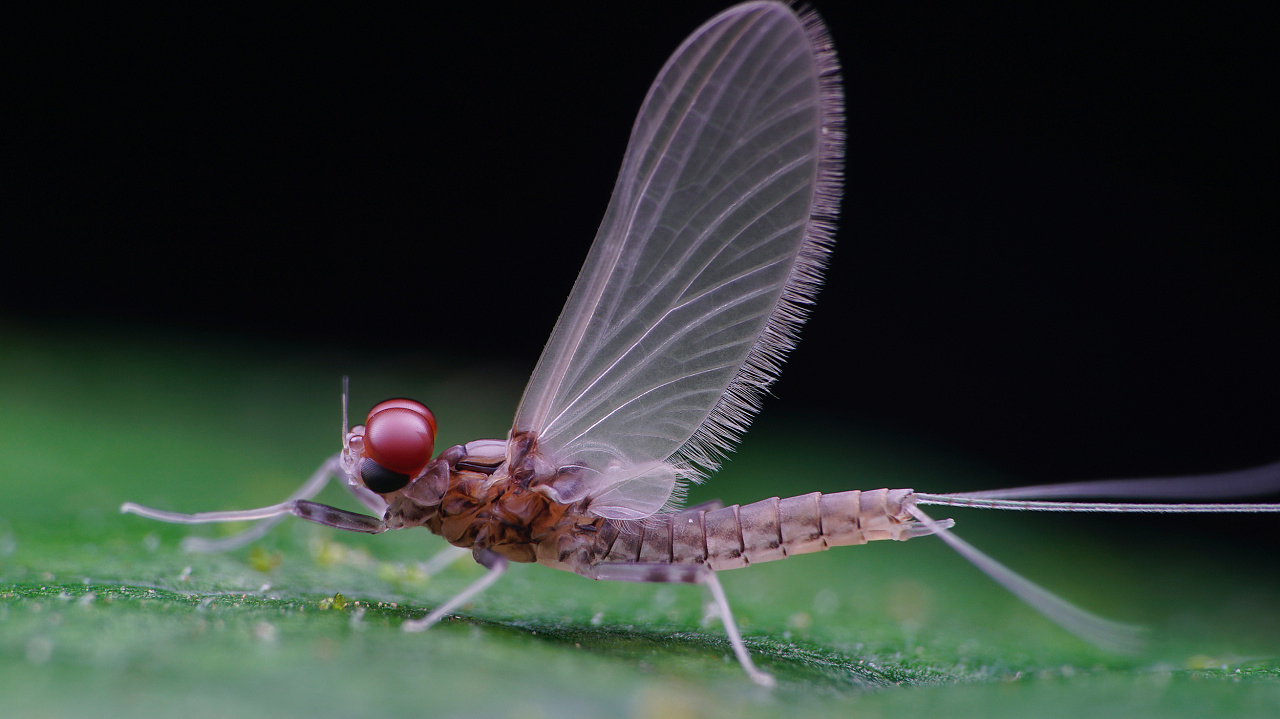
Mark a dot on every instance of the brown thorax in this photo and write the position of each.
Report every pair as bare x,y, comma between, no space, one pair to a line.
467,497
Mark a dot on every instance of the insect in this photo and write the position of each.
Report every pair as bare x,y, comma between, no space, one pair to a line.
709,254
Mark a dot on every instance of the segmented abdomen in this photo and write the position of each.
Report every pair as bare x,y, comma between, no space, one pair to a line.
732,537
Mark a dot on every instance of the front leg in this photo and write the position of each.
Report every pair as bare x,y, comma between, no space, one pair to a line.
310,511
267,517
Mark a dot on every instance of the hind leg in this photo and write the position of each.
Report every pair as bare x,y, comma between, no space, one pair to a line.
687,574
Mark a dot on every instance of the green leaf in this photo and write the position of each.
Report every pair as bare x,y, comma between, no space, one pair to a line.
102,614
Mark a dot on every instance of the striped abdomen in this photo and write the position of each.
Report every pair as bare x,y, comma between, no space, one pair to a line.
732,537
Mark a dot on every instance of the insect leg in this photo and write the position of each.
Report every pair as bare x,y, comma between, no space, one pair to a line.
442,559
494,562
331,469
712,583
310,511
687,574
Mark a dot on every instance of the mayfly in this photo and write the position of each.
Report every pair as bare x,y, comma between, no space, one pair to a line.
709,255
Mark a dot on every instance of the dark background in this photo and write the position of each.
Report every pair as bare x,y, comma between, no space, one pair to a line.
1057,255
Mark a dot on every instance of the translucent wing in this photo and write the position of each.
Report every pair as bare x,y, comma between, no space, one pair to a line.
698,280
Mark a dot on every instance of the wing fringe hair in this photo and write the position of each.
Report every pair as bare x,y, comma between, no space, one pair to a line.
740,401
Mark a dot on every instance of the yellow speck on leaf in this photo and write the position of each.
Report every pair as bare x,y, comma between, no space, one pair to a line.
264,561
337,601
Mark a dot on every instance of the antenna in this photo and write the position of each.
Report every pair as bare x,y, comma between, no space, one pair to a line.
346,388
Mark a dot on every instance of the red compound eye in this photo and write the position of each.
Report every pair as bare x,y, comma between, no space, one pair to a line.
418,407
400,435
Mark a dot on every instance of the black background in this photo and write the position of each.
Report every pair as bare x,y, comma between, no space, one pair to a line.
1058,246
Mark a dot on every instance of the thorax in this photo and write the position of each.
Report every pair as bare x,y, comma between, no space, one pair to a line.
468,497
